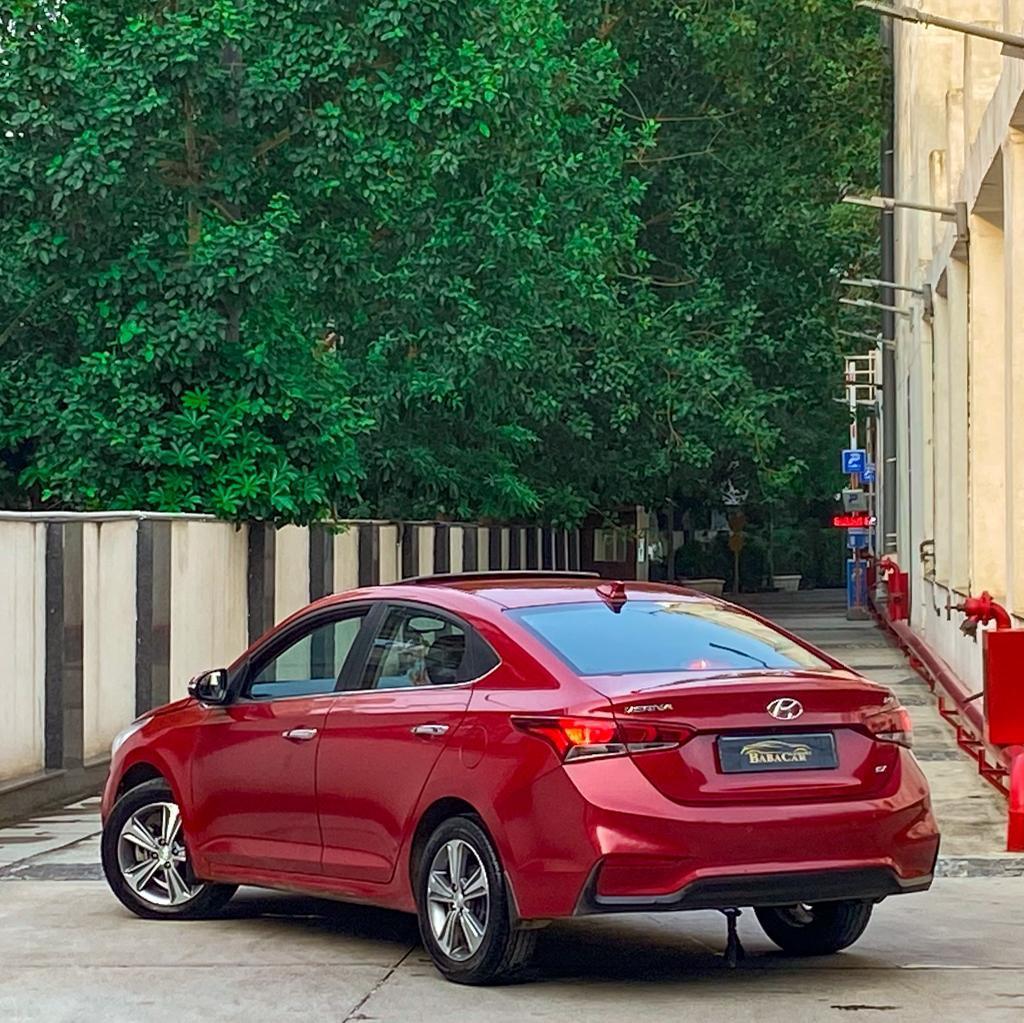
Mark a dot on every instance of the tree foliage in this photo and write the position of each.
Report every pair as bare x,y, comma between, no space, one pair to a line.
498,258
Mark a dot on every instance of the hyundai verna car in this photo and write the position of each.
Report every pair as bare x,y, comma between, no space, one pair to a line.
492,752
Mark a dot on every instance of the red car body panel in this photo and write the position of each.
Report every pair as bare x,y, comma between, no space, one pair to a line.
339,816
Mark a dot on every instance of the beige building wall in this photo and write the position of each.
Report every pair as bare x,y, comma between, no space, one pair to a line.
959,391
209,606
22,616
196,578
291,570
346,559
390,554
108,632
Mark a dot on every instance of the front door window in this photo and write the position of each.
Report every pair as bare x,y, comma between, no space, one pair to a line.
311,665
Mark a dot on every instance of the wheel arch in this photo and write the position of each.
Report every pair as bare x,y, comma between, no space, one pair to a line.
442,809
138,774
439,810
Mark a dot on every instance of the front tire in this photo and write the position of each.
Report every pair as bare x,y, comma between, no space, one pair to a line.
815,930
145,858
465,913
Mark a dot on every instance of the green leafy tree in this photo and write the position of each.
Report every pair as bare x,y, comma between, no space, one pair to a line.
196,195
497,258
764,110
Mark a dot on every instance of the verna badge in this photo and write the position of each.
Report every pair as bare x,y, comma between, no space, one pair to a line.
785,708
647,708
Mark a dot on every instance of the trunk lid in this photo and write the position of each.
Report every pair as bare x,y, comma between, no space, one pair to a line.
829,709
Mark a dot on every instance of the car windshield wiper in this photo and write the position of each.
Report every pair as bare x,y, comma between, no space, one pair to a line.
740,653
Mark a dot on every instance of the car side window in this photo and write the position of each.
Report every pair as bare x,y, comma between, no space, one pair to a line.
309,666
415,647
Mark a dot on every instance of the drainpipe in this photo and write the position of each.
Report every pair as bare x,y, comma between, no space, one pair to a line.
887,297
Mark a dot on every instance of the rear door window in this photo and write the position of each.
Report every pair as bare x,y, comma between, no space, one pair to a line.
419,647
662,636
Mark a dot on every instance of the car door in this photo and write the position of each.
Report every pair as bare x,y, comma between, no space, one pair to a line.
254,770
382,739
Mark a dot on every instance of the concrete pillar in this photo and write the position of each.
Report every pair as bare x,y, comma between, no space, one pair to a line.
1013,376
922,495
987,423
960,526
983,63
941,438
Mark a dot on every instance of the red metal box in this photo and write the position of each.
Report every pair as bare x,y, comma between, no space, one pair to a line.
1004,686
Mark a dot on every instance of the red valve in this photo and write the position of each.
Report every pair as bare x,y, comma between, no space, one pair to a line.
984,609
887,565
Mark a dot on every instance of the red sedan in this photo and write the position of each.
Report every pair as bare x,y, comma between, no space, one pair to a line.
493,751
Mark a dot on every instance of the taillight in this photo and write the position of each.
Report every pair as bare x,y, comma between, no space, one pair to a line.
891,724
583,738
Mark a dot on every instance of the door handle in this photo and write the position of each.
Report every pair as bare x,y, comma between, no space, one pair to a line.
430,730
300,734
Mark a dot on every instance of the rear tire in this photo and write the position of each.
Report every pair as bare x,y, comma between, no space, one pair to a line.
145,858
815,930
465,910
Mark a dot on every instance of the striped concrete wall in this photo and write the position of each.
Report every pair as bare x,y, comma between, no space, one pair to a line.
105,616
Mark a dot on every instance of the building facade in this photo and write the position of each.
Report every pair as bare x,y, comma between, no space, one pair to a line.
952,438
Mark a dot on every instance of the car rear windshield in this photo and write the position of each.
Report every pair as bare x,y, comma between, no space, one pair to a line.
655,636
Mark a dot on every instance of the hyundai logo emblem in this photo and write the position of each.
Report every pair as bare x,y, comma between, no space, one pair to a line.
785,708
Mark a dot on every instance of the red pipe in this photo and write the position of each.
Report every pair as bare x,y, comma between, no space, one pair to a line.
952,684
985,610
887,565
943,678
1015,828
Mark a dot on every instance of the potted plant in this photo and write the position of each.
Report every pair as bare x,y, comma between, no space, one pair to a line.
697,566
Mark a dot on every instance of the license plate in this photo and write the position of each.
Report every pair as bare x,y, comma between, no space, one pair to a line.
748,753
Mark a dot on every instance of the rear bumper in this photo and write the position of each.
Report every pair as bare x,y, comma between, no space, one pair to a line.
780,889
615,844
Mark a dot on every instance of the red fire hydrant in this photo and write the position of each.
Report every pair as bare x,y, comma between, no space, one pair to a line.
897,586
1002,653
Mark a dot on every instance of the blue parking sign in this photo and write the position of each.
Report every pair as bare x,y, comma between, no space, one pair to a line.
854,460
868,475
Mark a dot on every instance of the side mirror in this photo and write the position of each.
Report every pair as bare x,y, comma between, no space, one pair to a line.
210,686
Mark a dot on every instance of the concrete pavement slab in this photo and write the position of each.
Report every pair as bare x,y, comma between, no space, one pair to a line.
71,953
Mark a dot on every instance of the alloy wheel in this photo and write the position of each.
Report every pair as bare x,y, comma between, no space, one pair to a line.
152,858
458,899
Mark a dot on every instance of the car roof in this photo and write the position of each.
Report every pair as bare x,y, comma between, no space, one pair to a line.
530,588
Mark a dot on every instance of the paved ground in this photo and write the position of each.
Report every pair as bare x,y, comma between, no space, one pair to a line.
68,952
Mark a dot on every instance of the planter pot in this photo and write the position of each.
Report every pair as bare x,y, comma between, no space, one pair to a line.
713,587
788,583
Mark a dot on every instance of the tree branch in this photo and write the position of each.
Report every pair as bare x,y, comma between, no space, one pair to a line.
26,309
